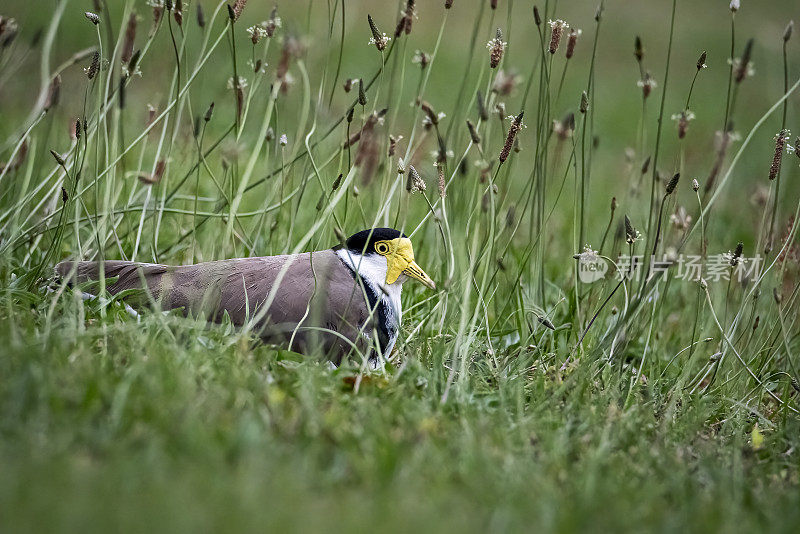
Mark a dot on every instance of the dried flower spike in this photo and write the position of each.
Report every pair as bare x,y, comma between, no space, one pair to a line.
742,67
209,112
421,58
238,7
736,258
177,13
557,28
362,96
496,48
683,118
734,6
777,158
130,38
516,126
572,40
406,19
537,18
380,40
483,113
584,102
646,164
201,16
638,49
59,159
473,133
695,185
701,61
274,22
336,183
93,17
53,93
647,84
256,32
414,183
630,232
673,183
94,68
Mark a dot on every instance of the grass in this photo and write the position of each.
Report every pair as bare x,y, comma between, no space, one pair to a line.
520,397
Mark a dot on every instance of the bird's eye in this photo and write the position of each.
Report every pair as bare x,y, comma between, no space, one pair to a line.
381,248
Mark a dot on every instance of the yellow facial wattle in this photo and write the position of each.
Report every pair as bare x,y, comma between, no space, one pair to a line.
400,260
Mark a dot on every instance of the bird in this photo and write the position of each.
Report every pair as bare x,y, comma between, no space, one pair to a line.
342,301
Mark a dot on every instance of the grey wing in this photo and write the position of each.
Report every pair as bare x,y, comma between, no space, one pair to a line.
126,274
315,303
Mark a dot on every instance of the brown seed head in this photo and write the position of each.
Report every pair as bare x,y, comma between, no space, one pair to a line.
238,7
557,28
94,68
537,18
646,165
737,254
406,19
336,183
584,102
701,61
422,58
647,84
430,113
362,95
59,159
516,126
201,16
483,113
673,183
638,49
93,17
742,65
378,39
695,185
572,40
496,48
473,133
630,231
177,13
448,4
777,158
130,37
53,93
442,184
414,183
272,22
134,62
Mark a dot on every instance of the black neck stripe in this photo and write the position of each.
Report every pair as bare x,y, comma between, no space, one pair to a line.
375,303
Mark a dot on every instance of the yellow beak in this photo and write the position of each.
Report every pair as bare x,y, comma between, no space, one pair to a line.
400,260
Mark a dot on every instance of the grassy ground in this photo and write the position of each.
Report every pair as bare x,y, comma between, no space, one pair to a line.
520,397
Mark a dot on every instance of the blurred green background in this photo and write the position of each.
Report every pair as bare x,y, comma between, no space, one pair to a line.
617,105
164,425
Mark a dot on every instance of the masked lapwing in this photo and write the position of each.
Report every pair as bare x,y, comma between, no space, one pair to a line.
339,301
